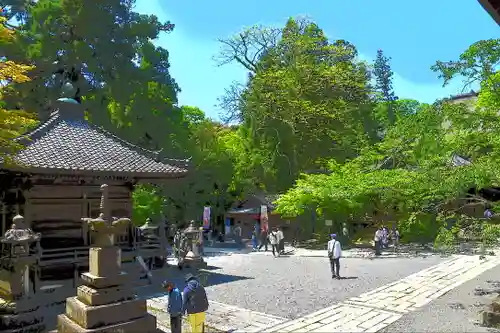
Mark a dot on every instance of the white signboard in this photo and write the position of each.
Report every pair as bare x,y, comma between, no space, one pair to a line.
328,223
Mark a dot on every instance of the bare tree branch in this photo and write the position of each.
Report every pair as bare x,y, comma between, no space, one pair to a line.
230,103
248,46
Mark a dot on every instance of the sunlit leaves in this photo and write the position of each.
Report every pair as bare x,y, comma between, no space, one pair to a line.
476,64
307,103
426,163
12,122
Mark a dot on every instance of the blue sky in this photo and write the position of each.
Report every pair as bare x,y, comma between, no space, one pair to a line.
413,33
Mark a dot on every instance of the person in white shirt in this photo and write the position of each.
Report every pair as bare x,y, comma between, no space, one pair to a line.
281,240
378,240
334,253
273,239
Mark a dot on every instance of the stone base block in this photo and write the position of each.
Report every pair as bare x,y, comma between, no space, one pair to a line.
104,282
145,324
91,296
14,321
88,316
490,319
195,262
11,285
20,306
35,328
105,261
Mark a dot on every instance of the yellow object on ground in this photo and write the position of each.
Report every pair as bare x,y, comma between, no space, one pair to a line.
196,320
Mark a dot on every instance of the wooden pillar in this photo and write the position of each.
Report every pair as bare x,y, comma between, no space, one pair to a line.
17,202
4,218
27,209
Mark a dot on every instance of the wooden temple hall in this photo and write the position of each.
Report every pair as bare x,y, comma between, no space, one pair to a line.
54,182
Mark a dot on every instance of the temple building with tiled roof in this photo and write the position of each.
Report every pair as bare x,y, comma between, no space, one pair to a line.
67,143
54,182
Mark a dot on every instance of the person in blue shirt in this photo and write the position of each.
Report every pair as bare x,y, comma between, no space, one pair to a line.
175,306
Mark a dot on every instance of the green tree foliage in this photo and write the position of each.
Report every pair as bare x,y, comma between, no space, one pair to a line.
421,173
12,122
148,203
383,87
307,100
123,77
212,180
476,64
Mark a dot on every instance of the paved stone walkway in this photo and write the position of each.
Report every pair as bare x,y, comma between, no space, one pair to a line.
374,310
222,317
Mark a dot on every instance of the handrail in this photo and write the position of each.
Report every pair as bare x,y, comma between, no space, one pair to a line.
81,253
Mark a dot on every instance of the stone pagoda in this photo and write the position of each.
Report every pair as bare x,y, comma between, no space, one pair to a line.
19,307
106,301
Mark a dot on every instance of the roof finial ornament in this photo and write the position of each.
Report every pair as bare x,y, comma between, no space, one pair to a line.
158,155
68,79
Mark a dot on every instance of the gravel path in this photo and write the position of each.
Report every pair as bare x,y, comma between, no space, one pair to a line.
295,286
456,311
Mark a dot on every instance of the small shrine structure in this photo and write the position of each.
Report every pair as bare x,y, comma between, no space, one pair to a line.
19,305
106,302
54,180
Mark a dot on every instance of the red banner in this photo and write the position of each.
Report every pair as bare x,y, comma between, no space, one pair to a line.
206,217
264,220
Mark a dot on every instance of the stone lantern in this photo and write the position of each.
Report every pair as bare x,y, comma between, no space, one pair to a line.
106,301
194,237
18,305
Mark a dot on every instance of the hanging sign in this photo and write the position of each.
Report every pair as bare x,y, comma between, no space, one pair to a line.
264,220
206,217
328,223
227,225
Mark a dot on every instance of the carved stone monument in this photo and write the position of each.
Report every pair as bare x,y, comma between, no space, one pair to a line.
193,257
18,305
105,302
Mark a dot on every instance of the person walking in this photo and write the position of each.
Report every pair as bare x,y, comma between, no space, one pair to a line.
237,232
263,239
273,239
334,253
175,306
255,244
281,240
378,241
385,237
195,303
395,238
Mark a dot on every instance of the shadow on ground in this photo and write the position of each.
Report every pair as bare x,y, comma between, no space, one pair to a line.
208,277
56,292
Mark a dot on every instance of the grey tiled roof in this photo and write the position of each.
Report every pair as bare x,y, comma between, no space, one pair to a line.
72,143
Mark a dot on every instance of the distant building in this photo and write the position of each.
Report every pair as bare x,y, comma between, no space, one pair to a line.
493,8
470,97
247,212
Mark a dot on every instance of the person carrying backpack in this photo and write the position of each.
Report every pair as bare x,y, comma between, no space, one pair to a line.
195,304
